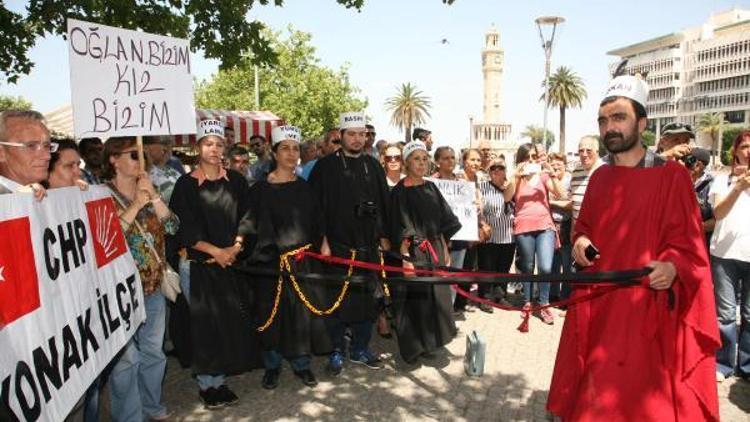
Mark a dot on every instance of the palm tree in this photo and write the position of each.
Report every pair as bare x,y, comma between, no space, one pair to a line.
408,107
566,90
536,134
712,123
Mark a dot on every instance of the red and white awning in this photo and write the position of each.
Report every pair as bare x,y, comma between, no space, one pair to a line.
245,124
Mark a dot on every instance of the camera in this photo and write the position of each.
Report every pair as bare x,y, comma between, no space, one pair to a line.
366,209
689,160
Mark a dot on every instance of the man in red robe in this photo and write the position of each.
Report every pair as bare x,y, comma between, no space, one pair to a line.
645,352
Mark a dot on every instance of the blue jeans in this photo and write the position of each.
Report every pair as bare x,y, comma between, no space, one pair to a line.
135,382
731,276
361,334
539,244
457,261
272,360
205,381
562,263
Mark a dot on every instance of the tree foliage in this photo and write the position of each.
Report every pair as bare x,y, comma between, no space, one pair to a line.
711,123
298,88
566,90
535,134
649,138
14,103
409,107
218,27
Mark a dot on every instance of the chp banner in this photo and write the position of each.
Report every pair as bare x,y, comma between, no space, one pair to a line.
70,299
461,196
128,83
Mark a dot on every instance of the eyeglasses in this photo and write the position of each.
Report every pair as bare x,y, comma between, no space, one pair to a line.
33,146
497,167
585,151
132,154
392,158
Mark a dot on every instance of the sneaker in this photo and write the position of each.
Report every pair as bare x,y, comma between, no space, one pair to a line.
720,377
366,358
307,377
486,308
546,316
270,379
226,396
210,398
335,363
165,417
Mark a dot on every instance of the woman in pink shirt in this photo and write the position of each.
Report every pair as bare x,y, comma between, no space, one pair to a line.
533,226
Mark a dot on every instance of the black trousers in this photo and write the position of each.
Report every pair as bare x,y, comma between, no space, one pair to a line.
496,258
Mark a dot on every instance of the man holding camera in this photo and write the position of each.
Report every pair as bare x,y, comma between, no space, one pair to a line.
351,187
643,352
674,142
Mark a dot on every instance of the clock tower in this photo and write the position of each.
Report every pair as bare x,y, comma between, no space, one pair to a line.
492,69
491,130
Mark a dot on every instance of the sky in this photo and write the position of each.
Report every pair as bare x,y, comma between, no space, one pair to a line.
390,42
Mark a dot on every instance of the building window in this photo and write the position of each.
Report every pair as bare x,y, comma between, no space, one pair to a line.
735,116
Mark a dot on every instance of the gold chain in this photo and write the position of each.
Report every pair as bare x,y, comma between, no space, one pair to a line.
285,265
340,297
386,291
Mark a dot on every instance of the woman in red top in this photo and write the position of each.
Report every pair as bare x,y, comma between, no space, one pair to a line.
536,238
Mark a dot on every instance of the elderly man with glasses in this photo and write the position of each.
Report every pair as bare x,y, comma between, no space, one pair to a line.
674,143
25,152
588,154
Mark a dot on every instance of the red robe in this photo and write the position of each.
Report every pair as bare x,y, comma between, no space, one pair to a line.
626,356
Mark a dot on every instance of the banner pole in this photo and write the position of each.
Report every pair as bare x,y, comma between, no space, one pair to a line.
141,158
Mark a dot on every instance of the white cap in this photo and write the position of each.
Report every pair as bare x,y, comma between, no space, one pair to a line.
633,87
286,132
413,146
351,119
210,127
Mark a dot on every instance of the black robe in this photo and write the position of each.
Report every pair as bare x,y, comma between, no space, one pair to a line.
353,194
285,217
222,327
423,314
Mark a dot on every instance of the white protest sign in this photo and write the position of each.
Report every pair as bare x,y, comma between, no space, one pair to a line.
70,299
461,196
128,83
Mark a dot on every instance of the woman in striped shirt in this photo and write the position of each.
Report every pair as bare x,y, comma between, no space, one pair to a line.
497,209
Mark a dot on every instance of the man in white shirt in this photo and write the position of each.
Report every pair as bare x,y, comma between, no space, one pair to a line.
25,152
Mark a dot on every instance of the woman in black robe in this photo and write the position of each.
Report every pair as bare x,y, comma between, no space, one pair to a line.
213,203
285,217
421,223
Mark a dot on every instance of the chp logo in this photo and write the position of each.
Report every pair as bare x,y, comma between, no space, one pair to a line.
19,285
109,243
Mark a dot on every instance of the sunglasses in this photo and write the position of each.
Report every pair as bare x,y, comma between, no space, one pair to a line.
371,134
132,154
392,158
336,141
497,167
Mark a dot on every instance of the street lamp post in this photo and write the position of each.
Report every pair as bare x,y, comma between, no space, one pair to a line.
552,21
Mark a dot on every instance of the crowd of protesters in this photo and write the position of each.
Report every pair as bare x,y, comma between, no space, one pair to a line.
348,196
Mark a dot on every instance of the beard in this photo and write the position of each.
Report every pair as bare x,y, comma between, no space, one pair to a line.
616,142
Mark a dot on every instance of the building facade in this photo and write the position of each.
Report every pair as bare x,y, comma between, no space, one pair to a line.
699,70
491,129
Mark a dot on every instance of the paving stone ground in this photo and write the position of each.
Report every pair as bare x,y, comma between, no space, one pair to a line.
514,387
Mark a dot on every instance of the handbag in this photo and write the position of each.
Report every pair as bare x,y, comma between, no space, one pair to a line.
170,283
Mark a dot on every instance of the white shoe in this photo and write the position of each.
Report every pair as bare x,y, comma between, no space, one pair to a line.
720,377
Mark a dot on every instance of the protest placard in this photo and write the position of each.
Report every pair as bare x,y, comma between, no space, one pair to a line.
461,196
70,299
128,83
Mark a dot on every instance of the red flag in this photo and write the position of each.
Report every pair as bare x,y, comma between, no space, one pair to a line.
19,285
109,243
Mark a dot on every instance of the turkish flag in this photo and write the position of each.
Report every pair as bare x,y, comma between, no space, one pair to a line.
19,285
109,243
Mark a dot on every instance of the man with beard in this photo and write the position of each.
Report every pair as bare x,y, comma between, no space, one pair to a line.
641,352
351,188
